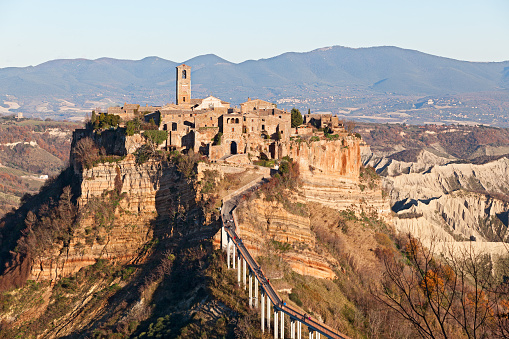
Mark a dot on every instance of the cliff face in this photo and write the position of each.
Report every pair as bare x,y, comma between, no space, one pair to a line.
453,203
330,172
335,159
262,222
118,230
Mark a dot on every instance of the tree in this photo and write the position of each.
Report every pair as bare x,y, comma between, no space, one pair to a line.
86,152
349,126
296,118
441,295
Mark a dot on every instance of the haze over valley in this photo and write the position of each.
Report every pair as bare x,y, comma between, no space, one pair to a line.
376,84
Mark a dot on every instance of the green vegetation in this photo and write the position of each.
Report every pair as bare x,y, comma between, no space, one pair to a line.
209,181
137,125
368,177
186,163
132,127
104,120
296,118
217,139
156,136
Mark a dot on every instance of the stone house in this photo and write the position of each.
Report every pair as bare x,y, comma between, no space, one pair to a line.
192,124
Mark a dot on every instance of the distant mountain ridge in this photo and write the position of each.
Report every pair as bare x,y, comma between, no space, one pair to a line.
321,72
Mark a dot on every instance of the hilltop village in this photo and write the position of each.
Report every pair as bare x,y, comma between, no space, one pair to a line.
213,128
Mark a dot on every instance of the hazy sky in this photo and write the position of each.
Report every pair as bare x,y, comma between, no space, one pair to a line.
35,31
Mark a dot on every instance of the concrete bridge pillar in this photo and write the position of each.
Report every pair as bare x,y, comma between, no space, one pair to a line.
233,255
299,330
224,237
268,312
311,334
276,332
228,252
239,268
256,292
317,335
250,289
282,317
292,328
244,273
262,296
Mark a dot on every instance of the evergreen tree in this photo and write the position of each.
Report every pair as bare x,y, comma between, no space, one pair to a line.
296,118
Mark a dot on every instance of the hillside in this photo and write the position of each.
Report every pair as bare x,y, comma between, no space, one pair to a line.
377,81
128,246
31,151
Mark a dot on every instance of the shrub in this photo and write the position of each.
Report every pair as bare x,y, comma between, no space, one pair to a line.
105,120
295,298
217,138
132,127
156,136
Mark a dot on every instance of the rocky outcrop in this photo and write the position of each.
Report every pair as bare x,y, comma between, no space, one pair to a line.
261,222
453,203
492,177
332,158
153,192
330,175
387,165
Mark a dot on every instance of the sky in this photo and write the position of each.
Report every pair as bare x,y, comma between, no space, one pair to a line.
34,31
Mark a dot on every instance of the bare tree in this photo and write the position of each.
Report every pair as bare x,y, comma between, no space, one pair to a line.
85,152
443,295
349,126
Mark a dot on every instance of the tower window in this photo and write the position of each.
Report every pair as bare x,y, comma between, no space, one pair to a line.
184,74
183,99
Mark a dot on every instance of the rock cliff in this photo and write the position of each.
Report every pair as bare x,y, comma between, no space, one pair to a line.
150,193
264,225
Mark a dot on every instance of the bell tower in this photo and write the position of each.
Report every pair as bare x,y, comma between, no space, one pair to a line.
183,84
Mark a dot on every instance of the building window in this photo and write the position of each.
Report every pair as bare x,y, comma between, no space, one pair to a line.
233,129
279,117
237,120
263,127
210,118
183,99
252,129
184,74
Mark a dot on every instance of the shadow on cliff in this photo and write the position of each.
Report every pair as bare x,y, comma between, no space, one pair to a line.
182,244
15,263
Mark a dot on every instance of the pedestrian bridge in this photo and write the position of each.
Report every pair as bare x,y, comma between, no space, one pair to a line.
261,292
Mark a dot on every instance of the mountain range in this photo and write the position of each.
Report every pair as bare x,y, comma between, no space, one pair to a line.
291,79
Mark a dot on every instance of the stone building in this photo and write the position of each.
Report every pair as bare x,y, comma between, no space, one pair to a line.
193,124
322,120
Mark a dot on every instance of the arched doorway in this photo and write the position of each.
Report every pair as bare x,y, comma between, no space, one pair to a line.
233,148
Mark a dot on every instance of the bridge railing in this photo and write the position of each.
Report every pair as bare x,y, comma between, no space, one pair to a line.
272,294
